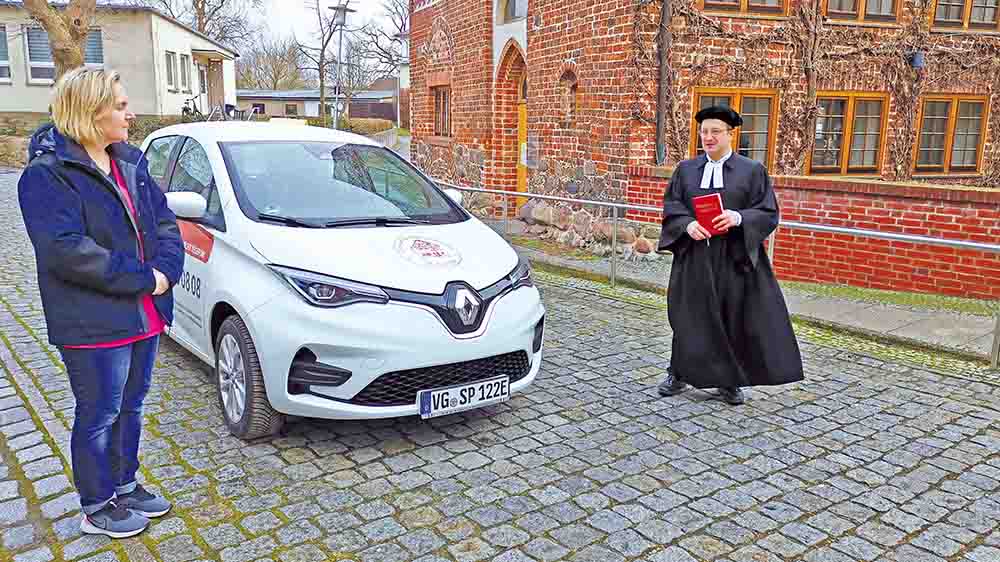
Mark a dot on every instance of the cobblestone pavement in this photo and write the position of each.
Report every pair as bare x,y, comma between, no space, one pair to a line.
866,460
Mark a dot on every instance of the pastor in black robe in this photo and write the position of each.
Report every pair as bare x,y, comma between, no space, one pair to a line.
730,322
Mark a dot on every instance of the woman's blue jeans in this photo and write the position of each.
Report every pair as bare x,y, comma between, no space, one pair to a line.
109,385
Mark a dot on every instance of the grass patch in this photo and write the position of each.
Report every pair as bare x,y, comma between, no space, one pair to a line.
573,273
945,362
553,248
899,298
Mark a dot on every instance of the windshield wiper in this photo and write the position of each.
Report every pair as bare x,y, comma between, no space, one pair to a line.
290,221
377,221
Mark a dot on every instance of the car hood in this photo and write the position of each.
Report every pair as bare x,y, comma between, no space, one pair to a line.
420,258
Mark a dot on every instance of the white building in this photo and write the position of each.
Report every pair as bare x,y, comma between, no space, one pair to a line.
163,63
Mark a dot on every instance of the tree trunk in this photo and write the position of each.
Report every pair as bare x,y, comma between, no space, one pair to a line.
665,83
322,87
67,30
814,40
200,21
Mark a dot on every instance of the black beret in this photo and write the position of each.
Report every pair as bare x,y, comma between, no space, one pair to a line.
720,112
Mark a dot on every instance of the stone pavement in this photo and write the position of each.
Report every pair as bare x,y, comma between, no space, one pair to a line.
865,460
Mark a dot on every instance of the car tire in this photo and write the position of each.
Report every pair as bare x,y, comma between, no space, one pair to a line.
240,383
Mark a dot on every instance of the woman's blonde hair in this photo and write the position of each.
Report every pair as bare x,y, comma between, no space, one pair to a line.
80,96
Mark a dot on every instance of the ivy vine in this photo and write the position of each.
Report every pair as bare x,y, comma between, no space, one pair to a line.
817,54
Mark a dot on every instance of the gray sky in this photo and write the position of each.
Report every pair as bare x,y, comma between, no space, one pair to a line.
284,17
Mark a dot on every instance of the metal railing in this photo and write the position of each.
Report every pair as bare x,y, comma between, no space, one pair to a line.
388,138
617,207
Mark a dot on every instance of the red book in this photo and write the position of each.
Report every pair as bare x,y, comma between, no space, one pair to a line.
706,208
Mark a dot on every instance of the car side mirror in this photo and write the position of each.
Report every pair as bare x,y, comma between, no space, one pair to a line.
187,204
455,195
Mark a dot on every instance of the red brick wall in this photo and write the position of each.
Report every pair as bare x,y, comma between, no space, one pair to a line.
591,39
467,25
734,66
957,213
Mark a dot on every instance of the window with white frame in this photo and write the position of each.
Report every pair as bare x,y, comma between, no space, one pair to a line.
202,80
41,65
171,70
185,73
4,56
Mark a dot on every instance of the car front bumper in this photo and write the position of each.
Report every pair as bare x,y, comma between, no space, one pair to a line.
373,340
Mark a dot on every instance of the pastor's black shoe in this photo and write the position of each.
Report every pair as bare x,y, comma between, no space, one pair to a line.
671,386
732,395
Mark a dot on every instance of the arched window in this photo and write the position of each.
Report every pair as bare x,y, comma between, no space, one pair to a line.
569,93
511,10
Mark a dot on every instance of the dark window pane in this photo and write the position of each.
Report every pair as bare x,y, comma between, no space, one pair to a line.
843,7
754,132
949,11
933,128
880,8
866,135
3,44
984,12
829,133
965,149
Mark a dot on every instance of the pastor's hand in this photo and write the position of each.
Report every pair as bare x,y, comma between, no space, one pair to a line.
728,219
697,231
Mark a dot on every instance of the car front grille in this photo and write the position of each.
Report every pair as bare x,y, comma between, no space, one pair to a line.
400,388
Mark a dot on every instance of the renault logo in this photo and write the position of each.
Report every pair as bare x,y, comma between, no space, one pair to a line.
466,305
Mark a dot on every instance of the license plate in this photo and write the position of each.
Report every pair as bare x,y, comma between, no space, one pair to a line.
442,401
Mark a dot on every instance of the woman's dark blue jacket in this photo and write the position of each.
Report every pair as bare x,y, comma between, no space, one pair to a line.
90,275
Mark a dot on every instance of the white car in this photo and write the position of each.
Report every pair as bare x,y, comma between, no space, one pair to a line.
326,277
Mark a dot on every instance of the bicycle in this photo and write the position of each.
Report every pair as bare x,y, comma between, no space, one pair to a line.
191,109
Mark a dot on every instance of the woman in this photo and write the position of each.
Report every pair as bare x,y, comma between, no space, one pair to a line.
108,252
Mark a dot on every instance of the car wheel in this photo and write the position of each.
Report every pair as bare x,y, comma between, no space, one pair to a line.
242,395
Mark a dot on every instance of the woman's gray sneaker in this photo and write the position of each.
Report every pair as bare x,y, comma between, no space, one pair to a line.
144,503
115,521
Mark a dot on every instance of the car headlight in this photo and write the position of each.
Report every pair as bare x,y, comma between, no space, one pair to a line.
326,291
521,276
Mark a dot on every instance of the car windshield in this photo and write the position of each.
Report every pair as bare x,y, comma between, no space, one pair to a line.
323,184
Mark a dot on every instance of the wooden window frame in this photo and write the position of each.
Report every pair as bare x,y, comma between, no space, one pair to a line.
737,95
294,107
844,168
442,130
967,24
861,16
745,8
949,137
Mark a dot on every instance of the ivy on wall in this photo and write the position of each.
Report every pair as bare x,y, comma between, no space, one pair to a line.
818,54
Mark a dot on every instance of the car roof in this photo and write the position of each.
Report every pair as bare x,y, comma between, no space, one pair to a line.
228,131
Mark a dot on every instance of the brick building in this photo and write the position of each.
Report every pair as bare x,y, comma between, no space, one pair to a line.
558,96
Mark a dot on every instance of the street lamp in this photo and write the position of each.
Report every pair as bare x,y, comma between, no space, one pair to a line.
404,60
339,19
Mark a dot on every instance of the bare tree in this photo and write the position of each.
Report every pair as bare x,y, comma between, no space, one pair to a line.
383,42
358,71
315,57
270,64
67,27
226,21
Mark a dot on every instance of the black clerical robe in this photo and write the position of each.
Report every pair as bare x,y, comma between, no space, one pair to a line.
730,322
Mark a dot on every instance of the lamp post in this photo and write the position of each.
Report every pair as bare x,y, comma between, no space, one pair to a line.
404,59
339,19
